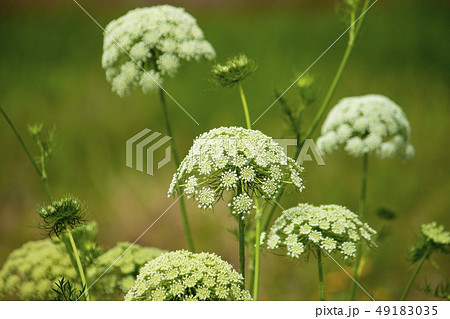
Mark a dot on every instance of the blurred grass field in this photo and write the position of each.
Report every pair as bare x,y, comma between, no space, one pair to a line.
50,72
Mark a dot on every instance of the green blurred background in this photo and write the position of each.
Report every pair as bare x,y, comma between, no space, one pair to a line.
50,72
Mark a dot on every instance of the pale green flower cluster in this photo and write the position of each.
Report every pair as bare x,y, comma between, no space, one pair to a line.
122,269
367,124
435,233
182,275
30,271
245,162
155,39
306,227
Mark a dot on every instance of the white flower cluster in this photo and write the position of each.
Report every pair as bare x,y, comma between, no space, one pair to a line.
155,39
182,275
367,124
436,233
245,162
305,227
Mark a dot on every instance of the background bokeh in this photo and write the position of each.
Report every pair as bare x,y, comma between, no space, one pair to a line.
50,72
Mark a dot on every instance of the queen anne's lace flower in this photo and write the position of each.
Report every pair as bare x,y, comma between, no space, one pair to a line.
245,162
433,238
306,227
435,233
30,271
123,263
182,275
367,124
156,39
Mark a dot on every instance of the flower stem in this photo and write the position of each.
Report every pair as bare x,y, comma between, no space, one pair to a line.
43,175
362,206
320,268
244,104
413,276
439,269
79,265
242,247
182,204
258,218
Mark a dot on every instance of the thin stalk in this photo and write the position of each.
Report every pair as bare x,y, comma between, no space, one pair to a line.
242,247
43,175
362,206
413,276
187,229
320,268
79,265
354,31
244,104
258,218
251,268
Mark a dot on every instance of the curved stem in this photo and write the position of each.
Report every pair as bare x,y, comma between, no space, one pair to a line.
79,265
320,268
258,218
362,206
244,104
187,229
413,276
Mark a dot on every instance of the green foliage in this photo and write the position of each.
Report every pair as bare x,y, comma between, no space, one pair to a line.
65,291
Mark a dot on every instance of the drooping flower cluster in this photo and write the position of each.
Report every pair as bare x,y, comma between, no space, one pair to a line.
182,275
306,227
433,238
61,214
122,267
30,271
242,161
155,39
236,69
367,124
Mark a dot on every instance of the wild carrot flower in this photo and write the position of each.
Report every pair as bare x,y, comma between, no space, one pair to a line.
31,270
306,227
367,124
122,267
242,161
432,238
182,275
233,71
155,39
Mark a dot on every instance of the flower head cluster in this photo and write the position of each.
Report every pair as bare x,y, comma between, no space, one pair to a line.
153,39
30,271
245,162
60,215
306,227
433,238
182,275
233,71
123,263
367,124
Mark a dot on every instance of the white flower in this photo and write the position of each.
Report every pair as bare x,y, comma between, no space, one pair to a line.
154,39
245,162
328,227
367,124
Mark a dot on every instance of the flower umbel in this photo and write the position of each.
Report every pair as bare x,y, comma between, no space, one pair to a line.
182,275
367,124
60,215
233,71
306,227
245,162
156,39
432,238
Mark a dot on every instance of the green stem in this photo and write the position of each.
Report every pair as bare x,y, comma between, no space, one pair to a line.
79,265
353,33
321,284
242,247
413,276
439,269
244,104
362,206
258,218
187,229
